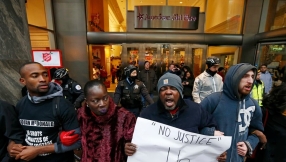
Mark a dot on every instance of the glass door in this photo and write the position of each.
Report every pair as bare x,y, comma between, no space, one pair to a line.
197,58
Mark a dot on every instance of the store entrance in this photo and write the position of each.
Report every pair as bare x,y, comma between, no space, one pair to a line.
161,56
113,58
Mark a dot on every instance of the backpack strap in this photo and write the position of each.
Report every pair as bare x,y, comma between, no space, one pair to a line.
56,110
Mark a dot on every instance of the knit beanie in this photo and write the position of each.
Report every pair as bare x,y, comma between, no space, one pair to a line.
169,79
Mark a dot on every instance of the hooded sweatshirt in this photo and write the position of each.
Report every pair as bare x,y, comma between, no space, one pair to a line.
233,113
41,126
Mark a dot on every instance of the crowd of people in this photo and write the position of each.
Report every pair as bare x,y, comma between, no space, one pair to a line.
57,118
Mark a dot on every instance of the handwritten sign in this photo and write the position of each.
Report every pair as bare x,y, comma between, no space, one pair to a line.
157,142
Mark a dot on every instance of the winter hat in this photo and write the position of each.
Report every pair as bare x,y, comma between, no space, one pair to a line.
169,79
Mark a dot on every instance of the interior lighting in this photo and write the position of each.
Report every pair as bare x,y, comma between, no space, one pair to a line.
181,2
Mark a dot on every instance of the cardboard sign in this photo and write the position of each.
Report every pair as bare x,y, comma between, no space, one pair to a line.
48,58
157,142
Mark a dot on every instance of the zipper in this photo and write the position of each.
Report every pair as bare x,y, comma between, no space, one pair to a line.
214,83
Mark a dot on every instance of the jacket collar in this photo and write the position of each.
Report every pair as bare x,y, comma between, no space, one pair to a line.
181,104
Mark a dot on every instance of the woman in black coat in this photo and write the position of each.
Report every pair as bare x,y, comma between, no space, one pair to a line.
188,83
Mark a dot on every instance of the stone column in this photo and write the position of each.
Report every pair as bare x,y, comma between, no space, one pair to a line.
15,47
70,26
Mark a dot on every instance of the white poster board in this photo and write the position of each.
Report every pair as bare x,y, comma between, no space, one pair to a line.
157,142
48,58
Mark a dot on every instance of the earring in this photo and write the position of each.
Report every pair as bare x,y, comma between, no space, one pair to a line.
87,105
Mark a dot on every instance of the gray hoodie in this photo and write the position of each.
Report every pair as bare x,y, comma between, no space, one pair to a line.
54,91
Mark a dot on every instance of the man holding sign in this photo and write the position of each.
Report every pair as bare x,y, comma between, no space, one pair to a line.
173,110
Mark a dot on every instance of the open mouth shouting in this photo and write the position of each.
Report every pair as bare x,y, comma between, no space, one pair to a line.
248,87
169,102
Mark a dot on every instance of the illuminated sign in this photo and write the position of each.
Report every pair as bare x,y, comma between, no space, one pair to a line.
166,17
276,48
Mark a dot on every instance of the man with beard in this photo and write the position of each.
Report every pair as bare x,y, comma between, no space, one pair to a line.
173,110
72,91
236,112
128,91
207,82
38,125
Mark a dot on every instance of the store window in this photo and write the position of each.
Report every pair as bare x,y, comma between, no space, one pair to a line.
274,56
276,15
224,16
40,21
106,16
228,55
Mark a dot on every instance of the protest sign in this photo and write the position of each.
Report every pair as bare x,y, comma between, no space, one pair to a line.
157,142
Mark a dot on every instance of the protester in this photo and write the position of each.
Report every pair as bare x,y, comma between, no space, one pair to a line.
207,82
174,69
184,70
105,128
266,78
188,83
40,126
173,110
275,129
9,124
72,91
221,72
95,72
103,74
113,74
128,92
257,92
235,111
149,78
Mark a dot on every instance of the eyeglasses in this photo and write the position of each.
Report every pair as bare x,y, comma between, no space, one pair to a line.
97,101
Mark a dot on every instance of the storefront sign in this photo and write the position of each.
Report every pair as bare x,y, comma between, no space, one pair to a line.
166,17
277,48
48,58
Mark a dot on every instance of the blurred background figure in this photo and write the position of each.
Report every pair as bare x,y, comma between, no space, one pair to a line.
188,83
103,74
72,91
274,106
95,72
221,72
149,78
113,74
184,69
128,91
257,92
266,78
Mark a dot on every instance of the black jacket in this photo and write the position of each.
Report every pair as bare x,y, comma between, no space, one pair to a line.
131,92
190,116
188,89
149,78
10,127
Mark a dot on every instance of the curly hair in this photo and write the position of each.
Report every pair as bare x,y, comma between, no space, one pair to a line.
276,100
